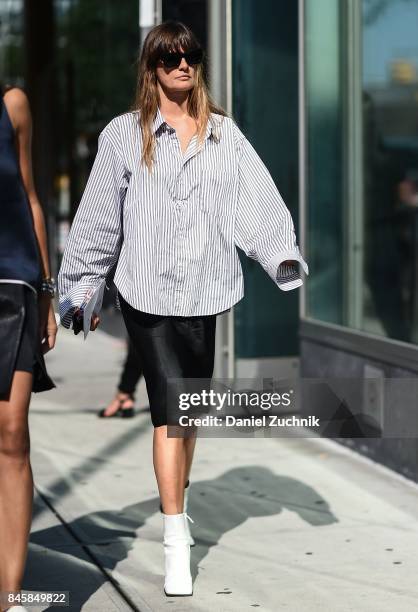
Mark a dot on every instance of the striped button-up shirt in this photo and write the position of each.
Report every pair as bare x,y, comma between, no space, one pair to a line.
174,232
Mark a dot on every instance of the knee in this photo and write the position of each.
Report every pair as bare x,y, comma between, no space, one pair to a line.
14,443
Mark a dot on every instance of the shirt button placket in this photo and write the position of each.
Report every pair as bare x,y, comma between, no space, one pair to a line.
180,208
180,236
180,262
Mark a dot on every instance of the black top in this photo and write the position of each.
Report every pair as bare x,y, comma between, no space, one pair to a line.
19,253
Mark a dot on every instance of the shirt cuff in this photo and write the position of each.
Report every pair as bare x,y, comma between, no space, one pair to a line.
72,300
287,276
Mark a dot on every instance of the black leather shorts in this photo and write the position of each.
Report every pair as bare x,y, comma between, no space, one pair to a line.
170,347
20,347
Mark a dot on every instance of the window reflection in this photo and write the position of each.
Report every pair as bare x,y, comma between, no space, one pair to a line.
390,124
325,172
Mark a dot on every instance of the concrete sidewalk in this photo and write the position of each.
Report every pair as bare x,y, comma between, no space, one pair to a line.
302,525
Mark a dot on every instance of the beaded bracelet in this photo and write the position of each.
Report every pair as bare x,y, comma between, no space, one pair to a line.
48,286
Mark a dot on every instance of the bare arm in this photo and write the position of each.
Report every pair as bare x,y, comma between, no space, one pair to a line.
19,111
20,115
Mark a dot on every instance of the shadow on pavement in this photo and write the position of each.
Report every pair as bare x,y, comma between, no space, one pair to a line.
217,506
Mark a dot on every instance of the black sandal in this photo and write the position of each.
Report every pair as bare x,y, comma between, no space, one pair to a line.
120,412
127,413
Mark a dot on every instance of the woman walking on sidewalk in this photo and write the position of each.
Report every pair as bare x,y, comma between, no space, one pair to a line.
174,189
27,331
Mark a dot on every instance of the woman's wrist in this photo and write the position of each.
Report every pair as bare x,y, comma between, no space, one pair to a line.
48,287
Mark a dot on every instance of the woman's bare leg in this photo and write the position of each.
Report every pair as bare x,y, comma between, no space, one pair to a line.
190,446
16,483
172,463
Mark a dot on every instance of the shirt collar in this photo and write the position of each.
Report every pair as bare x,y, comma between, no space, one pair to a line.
160,121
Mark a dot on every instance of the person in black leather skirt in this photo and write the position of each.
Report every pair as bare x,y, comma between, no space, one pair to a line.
176,188
27,331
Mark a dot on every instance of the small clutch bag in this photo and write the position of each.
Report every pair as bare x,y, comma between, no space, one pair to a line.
41,379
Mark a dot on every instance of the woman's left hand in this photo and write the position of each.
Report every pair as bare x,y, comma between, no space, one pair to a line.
47,324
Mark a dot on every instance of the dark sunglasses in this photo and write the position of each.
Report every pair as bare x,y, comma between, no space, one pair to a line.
173,60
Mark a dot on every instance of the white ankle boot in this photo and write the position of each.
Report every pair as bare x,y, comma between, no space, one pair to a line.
17,609
178,579
186,499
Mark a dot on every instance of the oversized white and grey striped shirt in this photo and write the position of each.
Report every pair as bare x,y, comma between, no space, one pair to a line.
174,232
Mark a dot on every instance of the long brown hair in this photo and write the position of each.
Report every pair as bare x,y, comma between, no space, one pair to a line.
163,38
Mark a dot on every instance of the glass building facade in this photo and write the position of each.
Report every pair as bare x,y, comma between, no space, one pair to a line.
361,77
359,202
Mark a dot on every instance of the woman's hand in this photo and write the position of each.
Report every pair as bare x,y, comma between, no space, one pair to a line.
47,324
95,320
78,321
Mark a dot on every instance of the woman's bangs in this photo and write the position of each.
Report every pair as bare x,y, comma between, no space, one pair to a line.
174,42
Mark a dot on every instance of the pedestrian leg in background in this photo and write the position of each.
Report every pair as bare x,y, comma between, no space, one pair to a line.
123,402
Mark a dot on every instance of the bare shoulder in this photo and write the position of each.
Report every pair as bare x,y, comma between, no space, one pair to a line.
16,97
17,105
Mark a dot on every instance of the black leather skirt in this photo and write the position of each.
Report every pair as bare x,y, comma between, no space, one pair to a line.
20,346
176,348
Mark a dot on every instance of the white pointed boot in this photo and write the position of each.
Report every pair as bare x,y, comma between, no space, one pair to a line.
185,502
178,579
